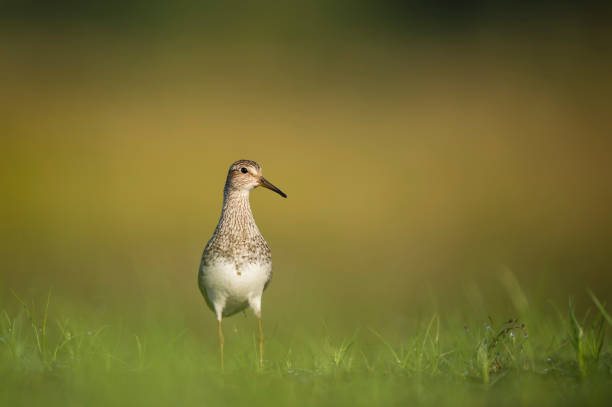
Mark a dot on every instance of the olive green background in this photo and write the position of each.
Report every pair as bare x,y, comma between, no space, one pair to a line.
435,155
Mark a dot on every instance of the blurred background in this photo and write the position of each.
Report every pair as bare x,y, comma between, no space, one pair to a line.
437,155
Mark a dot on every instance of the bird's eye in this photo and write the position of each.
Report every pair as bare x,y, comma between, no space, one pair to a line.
244,170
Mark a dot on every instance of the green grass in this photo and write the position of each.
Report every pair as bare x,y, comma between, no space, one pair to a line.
55,360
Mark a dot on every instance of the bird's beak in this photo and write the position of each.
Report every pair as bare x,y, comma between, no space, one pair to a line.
267,184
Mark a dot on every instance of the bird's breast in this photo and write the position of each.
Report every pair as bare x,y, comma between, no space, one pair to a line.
227,248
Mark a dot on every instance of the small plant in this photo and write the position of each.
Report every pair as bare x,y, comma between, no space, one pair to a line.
501,348
340,356
39,331
422,356
587,339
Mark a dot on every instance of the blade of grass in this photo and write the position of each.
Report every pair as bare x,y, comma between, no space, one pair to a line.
388,345
600,307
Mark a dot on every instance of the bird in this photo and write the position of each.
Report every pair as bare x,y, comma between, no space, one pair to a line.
236,265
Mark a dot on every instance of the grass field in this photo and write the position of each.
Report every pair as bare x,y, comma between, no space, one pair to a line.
55,359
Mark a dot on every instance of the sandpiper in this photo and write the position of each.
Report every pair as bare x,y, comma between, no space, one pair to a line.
236,264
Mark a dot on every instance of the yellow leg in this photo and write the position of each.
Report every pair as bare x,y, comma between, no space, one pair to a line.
261,343
221,344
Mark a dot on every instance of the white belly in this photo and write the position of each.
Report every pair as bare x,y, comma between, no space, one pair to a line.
231,287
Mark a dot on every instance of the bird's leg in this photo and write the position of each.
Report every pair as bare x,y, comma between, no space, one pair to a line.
255,303
221,344
219,303
261,342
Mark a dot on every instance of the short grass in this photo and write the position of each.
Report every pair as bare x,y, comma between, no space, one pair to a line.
53,360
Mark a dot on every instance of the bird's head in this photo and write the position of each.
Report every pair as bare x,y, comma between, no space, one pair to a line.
245,175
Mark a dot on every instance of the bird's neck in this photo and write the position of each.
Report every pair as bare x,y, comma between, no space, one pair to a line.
236,215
